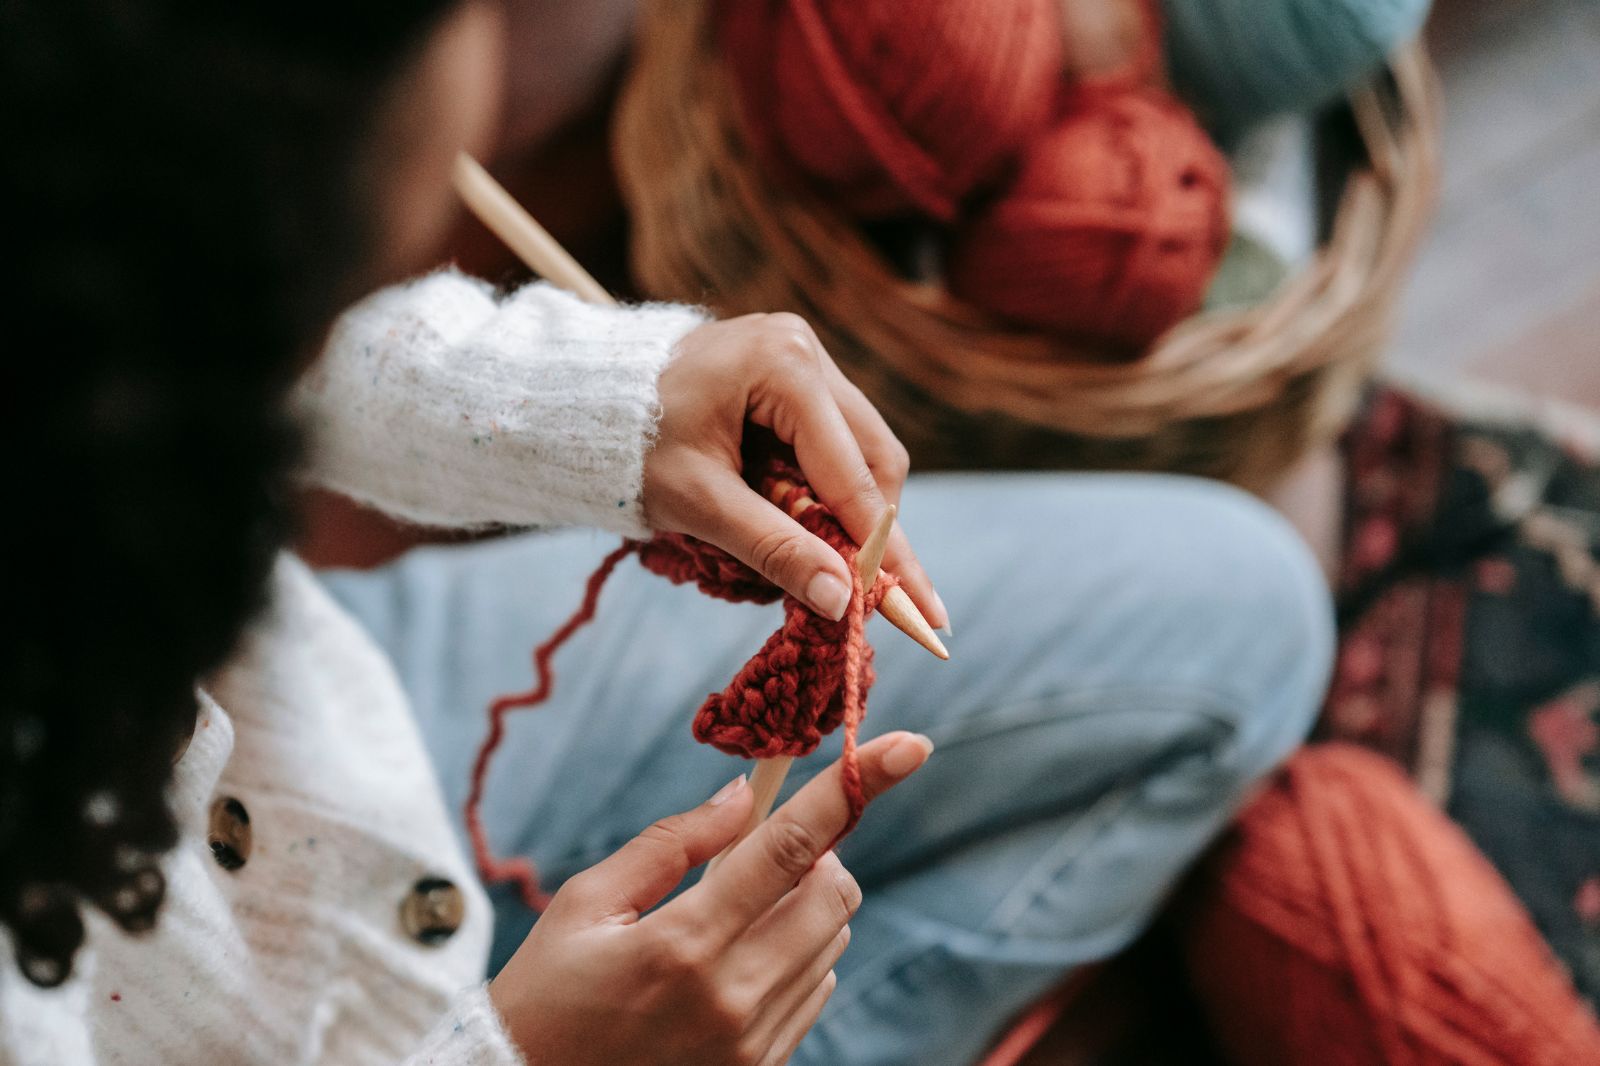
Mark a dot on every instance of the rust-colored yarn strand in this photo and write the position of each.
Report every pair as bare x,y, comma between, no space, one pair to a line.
521,872
809,678
855,663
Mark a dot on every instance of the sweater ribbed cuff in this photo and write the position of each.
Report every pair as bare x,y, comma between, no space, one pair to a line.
471,1033
440,405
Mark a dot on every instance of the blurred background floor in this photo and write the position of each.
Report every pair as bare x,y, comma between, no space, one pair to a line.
1508,286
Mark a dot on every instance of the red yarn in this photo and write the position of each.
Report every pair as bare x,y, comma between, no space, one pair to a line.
810,677
893,106
1113,228
1348,923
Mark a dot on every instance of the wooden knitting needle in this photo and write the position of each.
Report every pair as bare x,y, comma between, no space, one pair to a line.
769,774
896,605
533,244
543,254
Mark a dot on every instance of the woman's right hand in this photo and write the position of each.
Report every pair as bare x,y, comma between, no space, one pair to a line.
732,972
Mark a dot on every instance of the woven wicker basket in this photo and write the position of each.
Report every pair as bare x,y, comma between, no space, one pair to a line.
1234,395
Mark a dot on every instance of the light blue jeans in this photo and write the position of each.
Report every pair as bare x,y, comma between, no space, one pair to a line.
1130,655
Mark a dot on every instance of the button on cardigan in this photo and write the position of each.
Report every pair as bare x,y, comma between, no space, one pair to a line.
319,909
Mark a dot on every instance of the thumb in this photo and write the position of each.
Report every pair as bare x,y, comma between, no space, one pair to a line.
641,873
750,528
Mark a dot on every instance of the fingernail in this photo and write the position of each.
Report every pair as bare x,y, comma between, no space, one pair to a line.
726,792
940,608
907,755
828,596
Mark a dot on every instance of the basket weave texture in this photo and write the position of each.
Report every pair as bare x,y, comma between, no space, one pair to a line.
1236,395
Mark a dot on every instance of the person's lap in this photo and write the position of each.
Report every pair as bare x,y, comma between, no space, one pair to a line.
1130,654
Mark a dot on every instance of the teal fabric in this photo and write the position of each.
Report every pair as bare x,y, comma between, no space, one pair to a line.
1237,61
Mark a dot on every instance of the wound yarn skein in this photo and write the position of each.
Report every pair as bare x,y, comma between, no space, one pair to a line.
892,107
1112,229
1346,921
809,678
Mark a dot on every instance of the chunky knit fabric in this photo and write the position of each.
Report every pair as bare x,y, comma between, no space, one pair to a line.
437,402
809,678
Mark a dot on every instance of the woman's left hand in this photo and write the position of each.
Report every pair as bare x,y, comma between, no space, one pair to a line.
772,371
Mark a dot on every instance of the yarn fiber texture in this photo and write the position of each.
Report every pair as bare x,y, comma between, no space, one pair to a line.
1238,61
1112,229
1347,922
891,107
808,679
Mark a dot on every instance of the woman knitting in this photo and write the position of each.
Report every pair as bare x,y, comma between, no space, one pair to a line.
224,792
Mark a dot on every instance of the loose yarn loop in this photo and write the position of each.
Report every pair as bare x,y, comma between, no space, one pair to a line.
1346,921
810,677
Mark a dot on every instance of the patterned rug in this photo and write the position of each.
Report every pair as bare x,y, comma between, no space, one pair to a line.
1470,620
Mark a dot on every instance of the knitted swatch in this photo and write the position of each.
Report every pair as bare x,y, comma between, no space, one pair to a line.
810,677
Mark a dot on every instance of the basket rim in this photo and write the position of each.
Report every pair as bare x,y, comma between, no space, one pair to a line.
1213,364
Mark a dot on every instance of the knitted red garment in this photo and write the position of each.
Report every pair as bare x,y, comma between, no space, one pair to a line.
810,677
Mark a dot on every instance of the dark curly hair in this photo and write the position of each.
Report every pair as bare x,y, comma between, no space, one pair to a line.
181,215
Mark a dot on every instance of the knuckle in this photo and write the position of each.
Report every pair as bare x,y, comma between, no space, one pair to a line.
894,460
790,344
788,322
728,1012
846,895
577,889
683,956
778,551
866,486
791,846
666,836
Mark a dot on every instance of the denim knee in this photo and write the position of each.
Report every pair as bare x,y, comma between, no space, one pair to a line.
1266,607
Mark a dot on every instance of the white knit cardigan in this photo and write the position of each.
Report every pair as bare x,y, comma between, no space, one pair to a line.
438,403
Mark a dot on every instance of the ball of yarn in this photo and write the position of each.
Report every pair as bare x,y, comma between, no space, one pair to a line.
893,106
1347,921
1112,229
1238,61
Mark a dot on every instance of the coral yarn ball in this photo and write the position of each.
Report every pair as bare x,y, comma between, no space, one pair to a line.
1112,230
892,107
1346,921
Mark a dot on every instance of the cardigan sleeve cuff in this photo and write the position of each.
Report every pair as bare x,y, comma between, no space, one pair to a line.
471,1033
443,405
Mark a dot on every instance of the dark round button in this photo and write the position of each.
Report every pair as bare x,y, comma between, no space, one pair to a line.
432,910
230,835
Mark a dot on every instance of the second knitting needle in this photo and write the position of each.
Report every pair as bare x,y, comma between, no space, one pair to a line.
769,773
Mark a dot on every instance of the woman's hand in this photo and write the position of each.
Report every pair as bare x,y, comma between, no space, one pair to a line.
731,973
771,370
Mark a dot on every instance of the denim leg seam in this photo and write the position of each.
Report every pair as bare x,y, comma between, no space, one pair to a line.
1011,908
